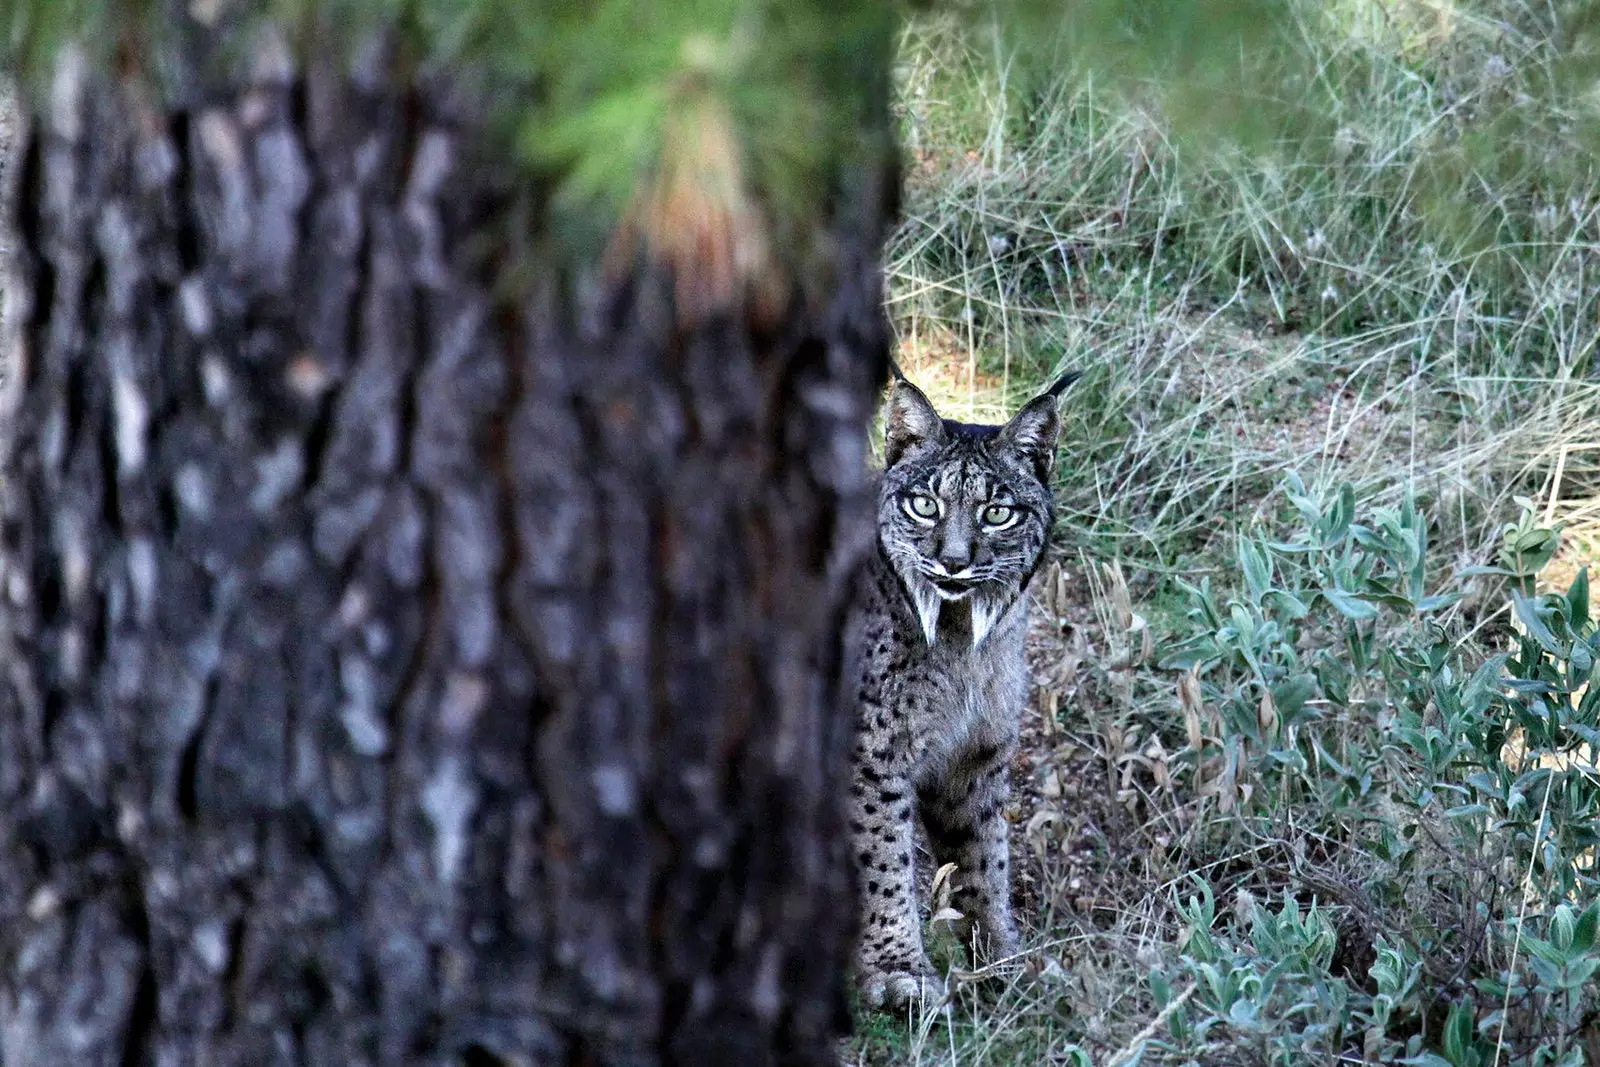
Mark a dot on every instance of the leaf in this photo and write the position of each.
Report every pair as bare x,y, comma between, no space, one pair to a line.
1463,810
1182,659
1286,602
1588,711
1578,597
1282,547
1291,694
1132,1060
1419,566
1528,611
1579,973
1369,538
1203,601
1537,545
943,879
1288,757
1350,606
1403,605
1483,685
1458,1034
1339,517
1484,782
1562,928
1480,569
1582,660
1256,566
1326,757
1440,600
1302,500
1244,623
1544,950
1428,1059
1585,929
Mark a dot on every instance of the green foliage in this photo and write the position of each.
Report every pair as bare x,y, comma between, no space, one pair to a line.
596,96
607,79
1304,646
1525,549
1262,982
1462,779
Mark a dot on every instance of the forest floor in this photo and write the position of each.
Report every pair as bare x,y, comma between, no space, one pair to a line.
1245,322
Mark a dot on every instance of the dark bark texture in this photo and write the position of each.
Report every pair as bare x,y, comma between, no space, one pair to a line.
398,664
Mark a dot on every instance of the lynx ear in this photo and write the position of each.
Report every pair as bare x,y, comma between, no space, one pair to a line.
1033,430
912,423
1032,433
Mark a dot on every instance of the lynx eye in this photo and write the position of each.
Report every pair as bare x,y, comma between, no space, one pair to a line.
922,506
997,514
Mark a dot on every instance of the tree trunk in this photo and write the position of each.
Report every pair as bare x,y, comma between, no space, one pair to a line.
401,665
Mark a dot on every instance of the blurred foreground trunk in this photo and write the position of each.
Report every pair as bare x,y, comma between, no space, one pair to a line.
398,666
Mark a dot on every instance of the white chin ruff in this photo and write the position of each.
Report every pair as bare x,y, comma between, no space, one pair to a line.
929,600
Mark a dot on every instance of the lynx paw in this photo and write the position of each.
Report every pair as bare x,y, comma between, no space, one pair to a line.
894,989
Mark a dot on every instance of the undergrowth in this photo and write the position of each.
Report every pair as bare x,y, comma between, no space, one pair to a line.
1310,776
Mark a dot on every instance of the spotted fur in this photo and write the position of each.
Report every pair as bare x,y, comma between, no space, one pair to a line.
964,515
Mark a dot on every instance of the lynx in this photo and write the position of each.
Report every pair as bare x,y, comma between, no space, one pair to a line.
964,515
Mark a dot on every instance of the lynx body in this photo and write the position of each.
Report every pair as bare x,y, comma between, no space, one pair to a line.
964,515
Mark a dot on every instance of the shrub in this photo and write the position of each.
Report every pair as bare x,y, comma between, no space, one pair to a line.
1442,799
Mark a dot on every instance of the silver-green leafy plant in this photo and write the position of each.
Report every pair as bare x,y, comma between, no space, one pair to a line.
1447,788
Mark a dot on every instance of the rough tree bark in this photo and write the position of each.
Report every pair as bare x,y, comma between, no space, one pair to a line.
398,667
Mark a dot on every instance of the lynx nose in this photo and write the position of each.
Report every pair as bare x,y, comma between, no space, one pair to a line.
955,556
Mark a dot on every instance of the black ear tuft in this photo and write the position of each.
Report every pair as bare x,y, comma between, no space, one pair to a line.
1032,432
1062,382
912,423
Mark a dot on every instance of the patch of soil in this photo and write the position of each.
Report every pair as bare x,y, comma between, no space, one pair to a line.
937,360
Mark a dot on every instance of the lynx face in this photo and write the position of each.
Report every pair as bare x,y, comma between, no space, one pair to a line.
964,511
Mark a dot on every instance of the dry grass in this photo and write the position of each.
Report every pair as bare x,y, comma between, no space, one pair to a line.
1238,320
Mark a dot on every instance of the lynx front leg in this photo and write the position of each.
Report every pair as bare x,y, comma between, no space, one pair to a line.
893,966
965,818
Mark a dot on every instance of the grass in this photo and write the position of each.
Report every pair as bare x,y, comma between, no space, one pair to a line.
1407,307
